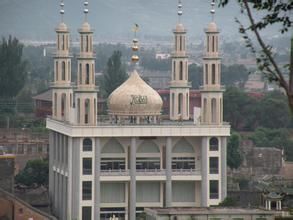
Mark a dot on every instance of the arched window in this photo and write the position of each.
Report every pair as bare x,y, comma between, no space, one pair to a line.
56,71
214,110
81,43
213,74
63,70
205,105
174,70
213,43
55,104
180,103
87,43
63,42
80,73
207,74
181,71
86,111
87,144
87,77
63,104
214,144
180,43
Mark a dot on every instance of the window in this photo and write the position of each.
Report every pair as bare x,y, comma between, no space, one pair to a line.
174,70
214,165
183,163
214,110
63,104
113,164
87,111
87,78
63,70
207,74
214,189
86,213
80,73
181,71
56,76
87,166
214,144
213,74
86,190
78,110
180,103
87,144
55,104
147,163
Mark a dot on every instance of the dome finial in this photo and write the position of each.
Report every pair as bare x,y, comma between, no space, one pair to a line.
85,10
62,11
213,11
135,45
179,12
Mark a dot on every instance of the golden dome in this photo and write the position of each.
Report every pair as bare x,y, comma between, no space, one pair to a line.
135,98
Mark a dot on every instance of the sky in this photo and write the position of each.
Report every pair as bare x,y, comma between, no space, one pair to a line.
36,19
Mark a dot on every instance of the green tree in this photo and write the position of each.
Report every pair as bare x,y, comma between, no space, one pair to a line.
228,202
36,172
195,75
279,13
115,74
234,156
234,75
12,68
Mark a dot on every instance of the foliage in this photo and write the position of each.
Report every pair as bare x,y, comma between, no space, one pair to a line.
115,74
195,75
275,12
246,112
234,157
12,67
279,138
228,202
36,172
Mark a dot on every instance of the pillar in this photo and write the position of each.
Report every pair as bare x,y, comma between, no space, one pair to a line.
132,203
97,173
223,168
204,172
169,172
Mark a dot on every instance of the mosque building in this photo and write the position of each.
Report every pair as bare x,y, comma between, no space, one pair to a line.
134,159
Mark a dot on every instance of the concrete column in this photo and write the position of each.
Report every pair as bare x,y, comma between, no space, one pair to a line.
51,163
63,198
277,205
269,204
97,172
169,172
132,203
204,172
280,205
69,183
223,168
266,204
55,192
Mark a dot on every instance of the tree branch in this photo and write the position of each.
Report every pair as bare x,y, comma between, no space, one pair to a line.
283,82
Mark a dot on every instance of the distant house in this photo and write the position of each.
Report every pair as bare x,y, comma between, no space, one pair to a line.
43,104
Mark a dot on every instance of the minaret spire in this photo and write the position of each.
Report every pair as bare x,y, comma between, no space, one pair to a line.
179,12
85,10
62,11
135,46
213,11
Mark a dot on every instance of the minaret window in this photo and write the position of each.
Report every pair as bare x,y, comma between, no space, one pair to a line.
205,105
87,144
69,70
56,71
174,70
87,43
208,44
187,104
78,110
207,74
70,100
87,78
63,70
213,43
81,43
180,100
55,104
93,74
80,73
63,104
95,110
214,144
214,110
181,71
63,42
213,74
173,104
87,111
180,43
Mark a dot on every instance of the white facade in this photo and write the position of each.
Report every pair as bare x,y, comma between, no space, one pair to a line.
120,166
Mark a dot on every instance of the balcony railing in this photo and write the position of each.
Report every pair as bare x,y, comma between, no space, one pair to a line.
178,172
114,172
157,172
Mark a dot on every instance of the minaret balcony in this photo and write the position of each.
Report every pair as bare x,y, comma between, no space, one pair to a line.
180,84
209,55
61,84
86,88
62,54
85,55
179,54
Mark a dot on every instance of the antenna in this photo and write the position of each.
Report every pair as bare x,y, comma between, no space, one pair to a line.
180,12
213,11
85,10
62,11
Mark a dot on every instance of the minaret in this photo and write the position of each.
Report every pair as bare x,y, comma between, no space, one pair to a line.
61,86
212,91
86,92
179,85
